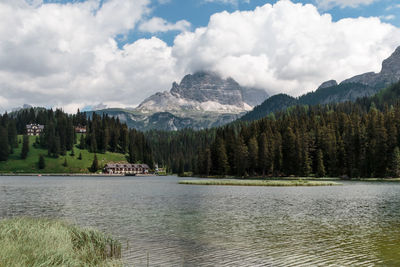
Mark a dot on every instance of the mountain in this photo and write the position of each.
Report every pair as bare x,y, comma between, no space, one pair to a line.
201,100
272,104
367,84
389,74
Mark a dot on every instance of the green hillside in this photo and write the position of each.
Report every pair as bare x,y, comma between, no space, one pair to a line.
54,165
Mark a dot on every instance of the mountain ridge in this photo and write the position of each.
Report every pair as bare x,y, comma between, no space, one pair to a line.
362,85
201,100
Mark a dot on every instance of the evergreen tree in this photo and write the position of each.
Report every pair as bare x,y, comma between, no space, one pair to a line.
263,155
241,157
95,164
131,150
395,164
219,158
181,167
205,162
253,155
72,154
25,147
80,156
93,143
65,164
41,163
4,148
12,134
320,164
82,142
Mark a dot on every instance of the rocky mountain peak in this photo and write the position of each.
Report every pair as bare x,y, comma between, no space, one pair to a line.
391,65
389,74
327,84
206,86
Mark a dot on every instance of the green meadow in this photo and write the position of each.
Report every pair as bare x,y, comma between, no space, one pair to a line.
16,165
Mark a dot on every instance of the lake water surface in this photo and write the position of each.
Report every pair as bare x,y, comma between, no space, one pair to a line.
156,219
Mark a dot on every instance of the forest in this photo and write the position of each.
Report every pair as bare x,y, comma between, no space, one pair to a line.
59,136
359,139
351,139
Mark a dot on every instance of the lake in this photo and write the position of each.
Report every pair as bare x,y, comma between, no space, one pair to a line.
168,224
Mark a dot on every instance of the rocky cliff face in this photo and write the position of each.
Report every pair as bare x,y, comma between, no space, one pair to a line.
201,100
208,86
389,74
203,92
328,84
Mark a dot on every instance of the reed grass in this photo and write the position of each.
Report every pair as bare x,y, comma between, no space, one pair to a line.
259,182
45,242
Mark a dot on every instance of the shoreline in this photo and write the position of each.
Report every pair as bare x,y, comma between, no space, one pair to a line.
244,182
74,174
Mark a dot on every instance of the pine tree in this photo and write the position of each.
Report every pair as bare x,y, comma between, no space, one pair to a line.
253,155
72,154
4,148
320,164
395,164
93,143
219,158
205,162
82,143
25,147
80,156
95,164
65,164
12,134
241,157
181,167
131,150
41,163
263,155
289,151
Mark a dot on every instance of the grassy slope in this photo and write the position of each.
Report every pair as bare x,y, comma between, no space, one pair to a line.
42,242
54,165
259,182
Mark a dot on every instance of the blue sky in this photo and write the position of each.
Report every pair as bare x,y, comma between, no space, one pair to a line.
198,13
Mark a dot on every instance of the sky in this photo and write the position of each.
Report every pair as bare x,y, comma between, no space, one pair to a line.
84,53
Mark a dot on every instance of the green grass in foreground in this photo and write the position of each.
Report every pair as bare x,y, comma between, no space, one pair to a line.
259,182
15,164
44,242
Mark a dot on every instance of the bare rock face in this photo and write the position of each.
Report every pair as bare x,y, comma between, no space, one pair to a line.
201,100
389,74
203,92
208,86
328,84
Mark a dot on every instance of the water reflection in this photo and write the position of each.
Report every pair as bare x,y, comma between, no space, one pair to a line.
181,225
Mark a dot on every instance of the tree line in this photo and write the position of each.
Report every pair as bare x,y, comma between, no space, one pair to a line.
59,136
358,139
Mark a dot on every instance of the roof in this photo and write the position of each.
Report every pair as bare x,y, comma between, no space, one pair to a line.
29,126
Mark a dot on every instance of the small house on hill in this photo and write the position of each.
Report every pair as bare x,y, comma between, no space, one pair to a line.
80,129
34,129
126,168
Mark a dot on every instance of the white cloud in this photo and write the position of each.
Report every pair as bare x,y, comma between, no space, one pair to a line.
392,7
157,24
66,55
327,4
286,47
388,17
